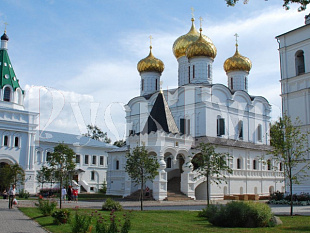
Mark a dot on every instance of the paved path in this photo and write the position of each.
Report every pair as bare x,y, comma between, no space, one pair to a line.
13,220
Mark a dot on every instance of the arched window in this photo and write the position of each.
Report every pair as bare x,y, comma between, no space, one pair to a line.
7,94
193,71
240,130
38,156
48,156
117,165
189,74
254,164
231,83
245,83
6,140
259,132
169,162
209,71
156,84
268,165
92,175
300,62
238,163
16,142
281,166
220,126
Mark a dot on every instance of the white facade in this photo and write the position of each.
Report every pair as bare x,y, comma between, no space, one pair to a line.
294,49
229,118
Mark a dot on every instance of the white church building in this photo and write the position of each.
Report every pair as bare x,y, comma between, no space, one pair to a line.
294,49
171,124
23,144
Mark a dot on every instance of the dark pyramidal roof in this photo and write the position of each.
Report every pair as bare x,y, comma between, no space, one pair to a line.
160,117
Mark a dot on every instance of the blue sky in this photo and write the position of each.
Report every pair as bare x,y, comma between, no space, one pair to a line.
77,59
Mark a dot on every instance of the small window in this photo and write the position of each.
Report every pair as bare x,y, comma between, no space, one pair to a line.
6,141
156,84
281,166
92,175
117,165
7,94
86,159
259,132
220,126
101,160
300,62
238,163
48,156
94,159
169,162
77,158
193,71
268,165
92,189
182,125
254,164
188,127
7,76
240,130
231,83
245,83
5,64
142,84
209,71
189,74
16,142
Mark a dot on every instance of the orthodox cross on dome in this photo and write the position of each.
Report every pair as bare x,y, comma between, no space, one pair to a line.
236,35
200,19
192,9
151,39
5,24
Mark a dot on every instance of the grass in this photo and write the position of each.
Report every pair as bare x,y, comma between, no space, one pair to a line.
172,221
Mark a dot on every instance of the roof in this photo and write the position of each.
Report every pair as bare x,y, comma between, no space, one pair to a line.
71,139
7,74
306,25
231,143
160,117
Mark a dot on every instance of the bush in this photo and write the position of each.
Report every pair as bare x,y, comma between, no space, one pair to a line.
240,214
61,216
46,207
208,211
103,189
81,223
277,196
23,194
104,227
110,204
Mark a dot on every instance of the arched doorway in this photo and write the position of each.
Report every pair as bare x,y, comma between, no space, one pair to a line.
3,174
181,161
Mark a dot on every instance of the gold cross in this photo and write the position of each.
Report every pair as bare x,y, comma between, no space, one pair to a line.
151,39
6,24
192,9
161,85
201,19
236,35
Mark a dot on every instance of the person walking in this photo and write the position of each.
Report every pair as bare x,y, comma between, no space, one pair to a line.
75,194
12,193
63,193
69,193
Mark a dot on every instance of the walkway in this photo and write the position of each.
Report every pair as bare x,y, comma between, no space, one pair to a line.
13,220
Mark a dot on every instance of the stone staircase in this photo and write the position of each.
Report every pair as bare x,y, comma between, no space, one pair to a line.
135,196
173,191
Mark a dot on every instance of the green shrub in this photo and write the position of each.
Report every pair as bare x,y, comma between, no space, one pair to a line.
61,216
23,194
105,227
103,189
46,207
208,211
81,223
240,214
110,204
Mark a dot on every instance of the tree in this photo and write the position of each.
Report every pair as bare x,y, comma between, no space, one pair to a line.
290,148
61,161
211,165
11,174
95,132
120,143
45,175
141,167
286,3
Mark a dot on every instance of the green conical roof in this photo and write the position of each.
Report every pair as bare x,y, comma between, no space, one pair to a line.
7,74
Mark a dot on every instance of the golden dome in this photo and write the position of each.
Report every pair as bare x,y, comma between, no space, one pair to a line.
237,62
150,63
201,47
182,43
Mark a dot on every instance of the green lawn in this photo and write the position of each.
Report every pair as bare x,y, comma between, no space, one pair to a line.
173,221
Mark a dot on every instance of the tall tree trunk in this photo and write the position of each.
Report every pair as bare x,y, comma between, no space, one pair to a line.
141,194
291,190
208,194
60,192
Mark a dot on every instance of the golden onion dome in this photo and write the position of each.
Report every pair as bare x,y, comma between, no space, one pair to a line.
150,64
182,43
237,62
201,47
